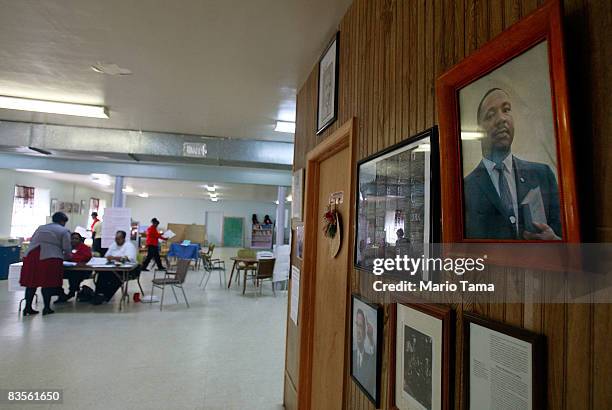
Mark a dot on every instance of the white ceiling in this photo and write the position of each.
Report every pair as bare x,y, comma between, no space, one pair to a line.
157,188
223,68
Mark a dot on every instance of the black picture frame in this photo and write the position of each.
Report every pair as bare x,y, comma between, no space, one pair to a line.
538,356
446,316
322,126
434,220
378,310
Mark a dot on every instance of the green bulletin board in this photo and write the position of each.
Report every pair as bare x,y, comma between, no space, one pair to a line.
233,231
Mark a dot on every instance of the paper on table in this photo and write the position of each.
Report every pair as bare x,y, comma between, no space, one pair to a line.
169,234
68,263
97,261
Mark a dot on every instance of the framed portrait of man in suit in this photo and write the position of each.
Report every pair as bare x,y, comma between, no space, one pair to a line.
366,346
508,173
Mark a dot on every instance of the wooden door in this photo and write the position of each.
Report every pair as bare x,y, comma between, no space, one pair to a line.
331,284
325,279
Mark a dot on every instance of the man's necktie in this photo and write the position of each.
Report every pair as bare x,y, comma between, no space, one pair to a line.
504,194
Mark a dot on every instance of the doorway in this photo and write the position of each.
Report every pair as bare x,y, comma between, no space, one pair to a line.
214,223
325,278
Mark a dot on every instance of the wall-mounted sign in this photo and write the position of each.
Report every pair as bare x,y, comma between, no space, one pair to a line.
336,197
194,149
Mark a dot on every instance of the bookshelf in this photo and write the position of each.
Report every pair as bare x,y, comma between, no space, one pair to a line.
261,236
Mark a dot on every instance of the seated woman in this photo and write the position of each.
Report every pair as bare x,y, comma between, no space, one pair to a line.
267,220
81,254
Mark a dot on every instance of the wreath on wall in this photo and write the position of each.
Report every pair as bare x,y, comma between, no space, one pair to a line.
332,228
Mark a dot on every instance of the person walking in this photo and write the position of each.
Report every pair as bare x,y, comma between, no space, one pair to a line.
153,237
43,263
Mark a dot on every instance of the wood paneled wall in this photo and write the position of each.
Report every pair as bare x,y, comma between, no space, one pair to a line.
390,55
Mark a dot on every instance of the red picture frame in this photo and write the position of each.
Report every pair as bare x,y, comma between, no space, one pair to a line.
544,24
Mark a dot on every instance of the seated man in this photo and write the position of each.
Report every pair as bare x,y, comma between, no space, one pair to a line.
107,282
81,254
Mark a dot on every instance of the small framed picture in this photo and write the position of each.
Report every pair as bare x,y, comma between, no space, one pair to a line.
422,361
503,366
398,201
297,194
299,241
505,136
366,342
327,108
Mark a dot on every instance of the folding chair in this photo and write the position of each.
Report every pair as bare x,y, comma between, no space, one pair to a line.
173,279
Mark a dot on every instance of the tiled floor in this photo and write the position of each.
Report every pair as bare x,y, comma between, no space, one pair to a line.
225,352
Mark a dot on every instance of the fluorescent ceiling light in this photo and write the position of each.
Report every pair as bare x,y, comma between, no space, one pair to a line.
210,188
128,189
36,171
101,179
214,199
276,202
53,107
471,135
285,126
213,195
289,198
143,195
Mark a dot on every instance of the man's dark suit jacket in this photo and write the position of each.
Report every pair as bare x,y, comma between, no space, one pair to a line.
485,217
366,373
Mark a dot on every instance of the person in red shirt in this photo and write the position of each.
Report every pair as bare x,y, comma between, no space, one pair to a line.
81,254
153,237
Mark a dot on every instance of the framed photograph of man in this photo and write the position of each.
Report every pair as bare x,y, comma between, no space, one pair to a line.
422,359
508,170
366,345
327,107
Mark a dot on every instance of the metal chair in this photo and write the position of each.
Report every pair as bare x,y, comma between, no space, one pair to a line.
209,267
265,270
173,279
246,267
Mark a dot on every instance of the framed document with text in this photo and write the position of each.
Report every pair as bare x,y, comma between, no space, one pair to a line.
503,366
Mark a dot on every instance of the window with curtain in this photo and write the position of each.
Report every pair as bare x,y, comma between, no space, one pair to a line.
30,210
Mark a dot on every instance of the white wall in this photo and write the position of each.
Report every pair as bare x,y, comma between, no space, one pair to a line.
60,190
188,211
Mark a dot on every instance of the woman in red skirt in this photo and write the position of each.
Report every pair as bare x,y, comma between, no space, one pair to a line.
43,263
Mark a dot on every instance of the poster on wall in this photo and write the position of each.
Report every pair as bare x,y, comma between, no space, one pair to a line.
295,294
297,194
327,107
115,219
